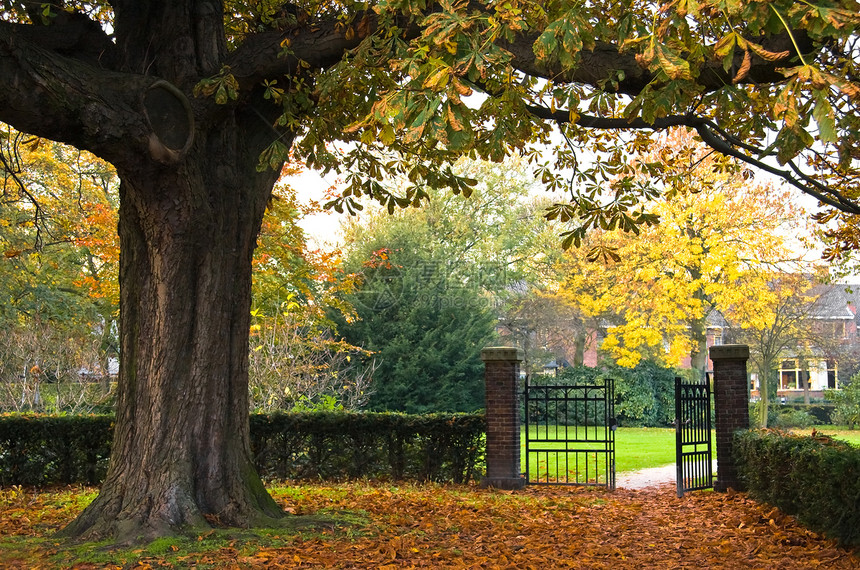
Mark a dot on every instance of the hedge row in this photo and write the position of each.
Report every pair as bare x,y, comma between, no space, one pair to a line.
813,478
823,413
326,445
44,450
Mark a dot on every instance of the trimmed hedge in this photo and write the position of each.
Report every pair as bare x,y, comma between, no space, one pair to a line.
814,478
341,445
823,413
43,450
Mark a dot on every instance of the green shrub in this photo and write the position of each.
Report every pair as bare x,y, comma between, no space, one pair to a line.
42,450
793,418
823,413
755,413
811,477
847,403
644,395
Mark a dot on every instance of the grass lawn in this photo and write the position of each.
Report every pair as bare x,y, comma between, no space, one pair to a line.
641,448
635,449
852,436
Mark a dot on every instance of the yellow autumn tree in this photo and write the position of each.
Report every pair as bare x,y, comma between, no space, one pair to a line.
721,235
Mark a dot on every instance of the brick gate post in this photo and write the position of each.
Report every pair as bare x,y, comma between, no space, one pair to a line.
501,377
731,408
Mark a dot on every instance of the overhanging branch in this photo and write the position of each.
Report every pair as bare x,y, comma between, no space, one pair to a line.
713,136
272,54
795,176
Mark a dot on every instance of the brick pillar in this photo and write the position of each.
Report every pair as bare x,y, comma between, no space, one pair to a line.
501,377
731,408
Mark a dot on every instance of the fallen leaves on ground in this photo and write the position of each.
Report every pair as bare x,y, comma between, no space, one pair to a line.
433,526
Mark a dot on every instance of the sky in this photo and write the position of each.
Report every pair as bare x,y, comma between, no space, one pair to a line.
323,229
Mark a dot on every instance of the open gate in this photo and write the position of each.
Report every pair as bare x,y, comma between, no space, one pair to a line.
570,433
693,435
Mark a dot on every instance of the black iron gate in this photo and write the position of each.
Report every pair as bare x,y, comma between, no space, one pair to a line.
570,433
693,435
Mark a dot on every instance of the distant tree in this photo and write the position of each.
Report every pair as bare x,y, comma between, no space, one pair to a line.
719,238
58,273
784,324
296,357
432,284
541,326
425,326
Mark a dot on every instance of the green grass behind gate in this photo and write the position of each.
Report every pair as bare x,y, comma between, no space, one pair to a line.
635,449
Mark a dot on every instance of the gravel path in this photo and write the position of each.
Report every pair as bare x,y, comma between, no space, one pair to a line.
653,477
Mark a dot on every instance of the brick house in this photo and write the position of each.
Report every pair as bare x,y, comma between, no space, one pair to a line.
832,353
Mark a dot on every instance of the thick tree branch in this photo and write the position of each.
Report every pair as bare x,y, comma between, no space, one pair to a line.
57,97
71,34
261,56
601,65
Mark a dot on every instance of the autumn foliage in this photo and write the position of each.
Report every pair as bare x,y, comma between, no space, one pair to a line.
431,526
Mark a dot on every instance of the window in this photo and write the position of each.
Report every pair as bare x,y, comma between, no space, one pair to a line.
834,329
718,337
832,374
789,375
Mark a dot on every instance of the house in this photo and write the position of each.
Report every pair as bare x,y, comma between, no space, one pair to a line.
829,355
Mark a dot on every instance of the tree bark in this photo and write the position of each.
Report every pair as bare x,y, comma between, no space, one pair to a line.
699,354
181,451
192,202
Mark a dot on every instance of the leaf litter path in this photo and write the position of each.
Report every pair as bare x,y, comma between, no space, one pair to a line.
553,527
435,526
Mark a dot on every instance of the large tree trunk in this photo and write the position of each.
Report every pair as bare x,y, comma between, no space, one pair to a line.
699,354
181,453
764,386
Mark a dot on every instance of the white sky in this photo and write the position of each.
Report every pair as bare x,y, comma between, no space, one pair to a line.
323,230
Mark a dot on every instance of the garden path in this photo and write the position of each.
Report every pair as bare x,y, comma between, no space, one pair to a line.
651,477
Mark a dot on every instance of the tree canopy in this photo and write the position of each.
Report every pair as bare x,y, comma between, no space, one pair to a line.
411,85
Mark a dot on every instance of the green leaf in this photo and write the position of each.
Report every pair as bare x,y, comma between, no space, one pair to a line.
790,141
386,134
824,116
